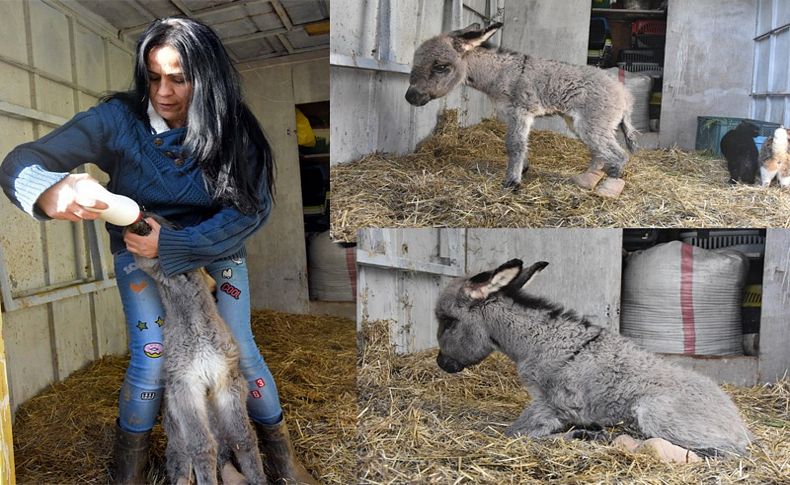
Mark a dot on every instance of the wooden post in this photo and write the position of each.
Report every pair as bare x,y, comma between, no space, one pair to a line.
6,442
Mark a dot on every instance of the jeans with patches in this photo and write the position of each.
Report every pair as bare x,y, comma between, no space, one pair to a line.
142,389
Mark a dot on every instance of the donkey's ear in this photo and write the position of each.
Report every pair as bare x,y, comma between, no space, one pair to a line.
525,277
474,36
480,286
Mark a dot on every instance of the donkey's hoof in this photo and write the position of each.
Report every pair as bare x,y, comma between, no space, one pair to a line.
511,185
626,443
587,435
667,452
231,476
588,180
610,187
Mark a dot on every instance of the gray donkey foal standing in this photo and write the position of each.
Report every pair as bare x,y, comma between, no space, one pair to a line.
205,416
593,104
578,373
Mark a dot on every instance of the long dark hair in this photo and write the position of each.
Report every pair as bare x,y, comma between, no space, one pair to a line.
219,125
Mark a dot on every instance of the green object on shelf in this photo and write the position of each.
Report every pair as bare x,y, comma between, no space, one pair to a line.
601,3
321,146
711,129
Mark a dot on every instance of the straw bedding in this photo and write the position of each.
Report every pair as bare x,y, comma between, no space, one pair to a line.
420,425
454,179
65,433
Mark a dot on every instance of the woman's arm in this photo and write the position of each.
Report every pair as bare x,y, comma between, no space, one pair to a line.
35,175
220,236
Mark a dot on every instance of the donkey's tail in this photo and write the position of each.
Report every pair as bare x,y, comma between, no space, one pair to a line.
630,132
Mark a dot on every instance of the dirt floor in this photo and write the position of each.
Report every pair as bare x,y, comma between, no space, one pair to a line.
64,434
454,179
421,425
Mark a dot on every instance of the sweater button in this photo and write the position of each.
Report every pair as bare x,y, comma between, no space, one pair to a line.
158,141
179,161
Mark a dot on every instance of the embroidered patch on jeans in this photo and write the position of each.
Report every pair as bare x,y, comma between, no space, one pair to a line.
138,287
147,396
260,382
231,290
160,321
237,261
141,325
255,394
153,350
129,268
227,273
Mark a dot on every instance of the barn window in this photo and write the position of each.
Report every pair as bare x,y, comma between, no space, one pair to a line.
771,77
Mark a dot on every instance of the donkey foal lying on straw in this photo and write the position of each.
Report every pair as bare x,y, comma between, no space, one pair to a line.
578,373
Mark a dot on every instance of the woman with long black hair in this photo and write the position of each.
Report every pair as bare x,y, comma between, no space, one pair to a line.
183,144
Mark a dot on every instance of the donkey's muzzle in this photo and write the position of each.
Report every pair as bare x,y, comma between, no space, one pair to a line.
448,365
416,98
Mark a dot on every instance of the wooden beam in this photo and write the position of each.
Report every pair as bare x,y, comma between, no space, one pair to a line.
269,61
17,111
280,11
196,14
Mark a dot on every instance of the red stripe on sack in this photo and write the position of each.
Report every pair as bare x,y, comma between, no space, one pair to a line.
687,299
351,266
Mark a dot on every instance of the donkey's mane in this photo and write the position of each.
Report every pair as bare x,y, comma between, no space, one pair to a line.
555,310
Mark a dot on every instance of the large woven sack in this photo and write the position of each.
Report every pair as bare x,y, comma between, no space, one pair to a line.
682,299
639,86
331,269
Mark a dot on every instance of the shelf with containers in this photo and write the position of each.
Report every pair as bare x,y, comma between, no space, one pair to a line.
631,35
314,164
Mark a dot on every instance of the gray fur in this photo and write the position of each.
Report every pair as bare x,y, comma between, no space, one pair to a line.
578,373
593,104
205,415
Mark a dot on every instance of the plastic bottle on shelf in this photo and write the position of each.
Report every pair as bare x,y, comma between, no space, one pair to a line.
121,210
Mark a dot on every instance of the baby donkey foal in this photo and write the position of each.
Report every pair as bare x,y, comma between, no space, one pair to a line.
205,415
578,373
524,87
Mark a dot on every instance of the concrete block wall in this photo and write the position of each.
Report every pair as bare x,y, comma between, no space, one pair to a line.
709,57
54,62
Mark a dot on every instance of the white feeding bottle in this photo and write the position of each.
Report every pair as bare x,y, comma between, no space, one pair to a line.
121,210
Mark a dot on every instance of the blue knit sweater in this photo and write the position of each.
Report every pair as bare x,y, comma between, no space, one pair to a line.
146,167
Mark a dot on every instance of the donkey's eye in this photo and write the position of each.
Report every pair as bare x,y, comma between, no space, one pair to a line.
440,68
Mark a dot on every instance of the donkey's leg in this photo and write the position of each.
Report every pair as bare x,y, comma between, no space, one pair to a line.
583,129
188,432
608,157
519,123
538,419
235,428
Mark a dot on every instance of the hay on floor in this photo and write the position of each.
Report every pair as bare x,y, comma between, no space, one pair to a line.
454,179
421,425
65,433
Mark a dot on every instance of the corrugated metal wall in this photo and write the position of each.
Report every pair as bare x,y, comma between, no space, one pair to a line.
771,85
54,63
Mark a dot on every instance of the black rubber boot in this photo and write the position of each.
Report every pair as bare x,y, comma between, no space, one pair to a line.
131,457
279,459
